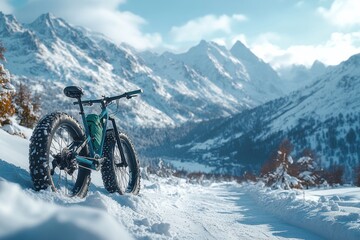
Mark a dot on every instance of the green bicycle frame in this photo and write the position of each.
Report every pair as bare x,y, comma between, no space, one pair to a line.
95,158
104,118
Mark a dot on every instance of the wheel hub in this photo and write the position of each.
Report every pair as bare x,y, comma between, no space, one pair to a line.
64,161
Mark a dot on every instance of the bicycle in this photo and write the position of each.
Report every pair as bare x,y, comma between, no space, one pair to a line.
62,154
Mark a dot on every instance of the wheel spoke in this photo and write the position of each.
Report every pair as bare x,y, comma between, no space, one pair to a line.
66,183
56,148
59,180
61,141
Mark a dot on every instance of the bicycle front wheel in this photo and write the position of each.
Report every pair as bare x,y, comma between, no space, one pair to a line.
120,175
50,155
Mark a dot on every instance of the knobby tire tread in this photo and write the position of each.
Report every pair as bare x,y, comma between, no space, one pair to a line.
108,168
39,153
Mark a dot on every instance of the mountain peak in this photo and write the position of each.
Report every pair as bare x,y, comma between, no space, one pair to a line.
318,66
201,45
240,51
204,47
49,25
354,59
9,24
46,19
238,44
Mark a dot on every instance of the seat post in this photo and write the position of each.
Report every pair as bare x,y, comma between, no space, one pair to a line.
81,106
86,127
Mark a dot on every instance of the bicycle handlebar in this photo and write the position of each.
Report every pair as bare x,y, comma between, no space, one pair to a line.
107,100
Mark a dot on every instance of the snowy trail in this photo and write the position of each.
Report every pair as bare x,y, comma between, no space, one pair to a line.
219,211
168,208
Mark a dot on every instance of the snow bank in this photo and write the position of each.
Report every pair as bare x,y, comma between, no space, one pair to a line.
321,214
38,219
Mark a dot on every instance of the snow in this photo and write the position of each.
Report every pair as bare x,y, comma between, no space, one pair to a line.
169,208
331,213
24,216
190,166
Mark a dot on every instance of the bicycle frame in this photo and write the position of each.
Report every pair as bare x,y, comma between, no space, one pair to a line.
95,159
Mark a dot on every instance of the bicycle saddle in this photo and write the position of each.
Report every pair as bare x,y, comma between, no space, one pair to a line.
73,92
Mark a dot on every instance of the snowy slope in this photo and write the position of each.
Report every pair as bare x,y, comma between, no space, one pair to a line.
295,77
50,54
169,208
263,78
334,93
206,82
219,75
323,116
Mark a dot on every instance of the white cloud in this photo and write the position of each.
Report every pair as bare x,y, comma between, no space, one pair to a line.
342,13
5,7
220,41
338,48
100,16
228,42
205,27
239,17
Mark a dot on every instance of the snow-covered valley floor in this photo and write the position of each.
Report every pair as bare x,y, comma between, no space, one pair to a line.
169,208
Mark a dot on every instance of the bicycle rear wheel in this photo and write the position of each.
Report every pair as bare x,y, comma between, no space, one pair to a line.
120,175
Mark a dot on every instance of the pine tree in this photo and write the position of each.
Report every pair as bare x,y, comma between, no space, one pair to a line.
280,168
333,175
307,168
27,106
7,108
358,176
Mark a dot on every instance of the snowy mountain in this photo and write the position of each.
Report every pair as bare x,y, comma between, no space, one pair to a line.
265,78
206,82
295,77
323,117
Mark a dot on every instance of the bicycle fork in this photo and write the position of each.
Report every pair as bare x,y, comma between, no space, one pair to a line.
123,162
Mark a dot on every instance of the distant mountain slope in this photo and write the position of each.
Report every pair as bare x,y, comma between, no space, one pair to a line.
206,82
295,77
323,117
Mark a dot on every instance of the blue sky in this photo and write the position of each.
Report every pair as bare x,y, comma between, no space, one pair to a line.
281,32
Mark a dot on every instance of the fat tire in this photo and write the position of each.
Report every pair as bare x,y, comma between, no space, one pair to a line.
39,150
108,168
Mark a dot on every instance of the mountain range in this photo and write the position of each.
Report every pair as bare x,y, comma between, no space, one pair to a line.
323,117
225,108
299,76
206,82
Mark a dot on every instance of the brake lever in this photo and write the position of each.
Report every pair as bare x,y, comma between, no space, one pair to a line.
129,97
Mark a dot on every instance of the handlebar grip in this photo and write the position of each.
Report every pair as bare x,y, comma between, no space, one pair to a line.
133,93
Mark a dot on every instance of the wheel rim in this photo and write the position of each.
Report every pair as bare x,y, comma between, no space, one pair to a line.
62,178
123,173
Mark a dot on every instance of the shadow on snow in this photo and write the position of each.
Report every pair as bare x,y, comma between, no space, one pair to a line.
256,215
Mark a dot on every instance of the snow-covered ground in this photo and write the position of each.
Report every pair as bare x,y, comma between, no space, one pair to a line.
169,209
